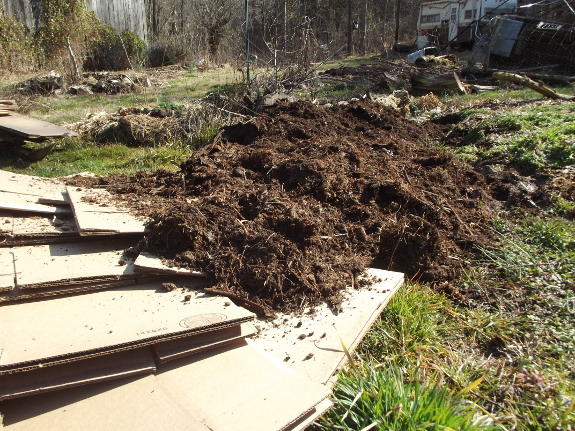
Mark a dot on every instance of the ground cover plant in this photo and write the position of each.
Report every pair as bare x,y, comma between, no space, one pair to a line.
488,344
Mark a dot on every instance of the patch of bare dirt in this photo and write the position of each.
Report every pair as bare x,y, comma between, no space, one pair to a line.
289,208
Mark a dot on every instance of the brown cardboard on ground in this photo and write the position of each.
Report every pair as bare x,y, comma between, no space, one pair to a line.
6,223
237,388
51,264
176,349
311,344
72,374
10,203
75,287
44,226
312,416
44,333
31,189
148,261
96,213
7,274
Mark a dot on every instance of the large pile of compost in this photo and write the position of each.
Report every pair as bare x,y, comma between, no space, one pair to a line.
290,207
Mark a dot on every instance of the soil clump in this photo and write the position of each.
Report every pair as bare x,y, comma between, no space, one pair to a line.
287,209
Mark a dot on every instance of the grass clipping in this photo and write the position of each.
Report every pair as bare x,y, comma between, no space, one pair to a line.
155,126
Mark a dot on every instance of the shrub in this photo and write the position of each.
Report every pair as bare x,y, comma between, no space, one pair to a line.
17,48
111,51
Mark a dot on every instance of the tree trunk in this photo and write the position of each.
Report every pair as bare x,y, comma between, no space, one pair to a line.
397,15
533,85
363,28
349,28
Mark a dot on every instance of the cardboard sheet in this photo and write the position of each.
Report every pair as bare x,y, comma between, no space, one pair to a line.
312,416
176,349
7,274
6,223
44,226
42,292
148,261
31,188
238,388
68,375
311,344
44,333
12,203
55,263
96,213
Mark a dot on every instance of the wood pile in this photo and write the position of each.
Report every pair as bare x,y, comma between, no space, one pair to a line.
7,107
17,130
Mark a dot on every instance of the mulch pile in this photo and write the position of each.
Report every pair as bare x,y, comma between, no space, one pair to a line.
289,208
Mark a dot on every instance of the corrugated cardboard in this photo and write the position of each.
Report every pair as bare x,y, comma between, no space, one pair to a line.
84,372
176,349
148,261
10,204
44,226
96,213
55,263
48,291
59,330
7,274
6,222
31,188
311,343
240,388
312,416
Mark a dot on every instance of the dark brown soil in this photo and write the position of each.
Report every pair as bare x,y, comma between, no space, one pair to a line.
289,208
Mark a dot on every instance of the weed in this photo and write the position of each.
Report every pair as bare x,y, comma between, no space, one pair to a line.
384,397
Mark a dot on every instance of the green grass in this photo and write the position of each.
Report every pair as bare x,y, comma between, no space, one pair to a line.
535,139
75,155
383,397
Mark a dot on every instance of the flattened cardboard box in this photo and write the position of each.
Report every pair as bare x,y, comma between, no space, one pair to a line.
116,365
7,274
32,190
148,261
78,373
238,388
96,213
54,331
311,343
176,349
50,264
44,226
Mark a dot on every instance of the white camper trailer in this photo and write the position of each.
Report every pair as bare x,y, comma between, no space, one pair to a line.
457,21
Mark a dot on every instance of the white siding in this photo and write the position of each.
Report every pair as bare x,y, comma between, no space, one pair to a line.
122,14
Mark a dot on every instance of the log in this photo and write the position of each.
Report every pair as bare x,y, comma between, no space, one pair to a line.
537,86
445,83
473,88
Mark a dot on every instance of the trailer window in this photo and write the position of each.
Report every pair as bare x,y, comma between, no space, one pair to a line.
468,14
429,18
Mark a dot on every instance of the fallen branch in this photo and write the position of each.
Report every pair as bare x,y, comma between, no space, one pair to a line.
533,85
